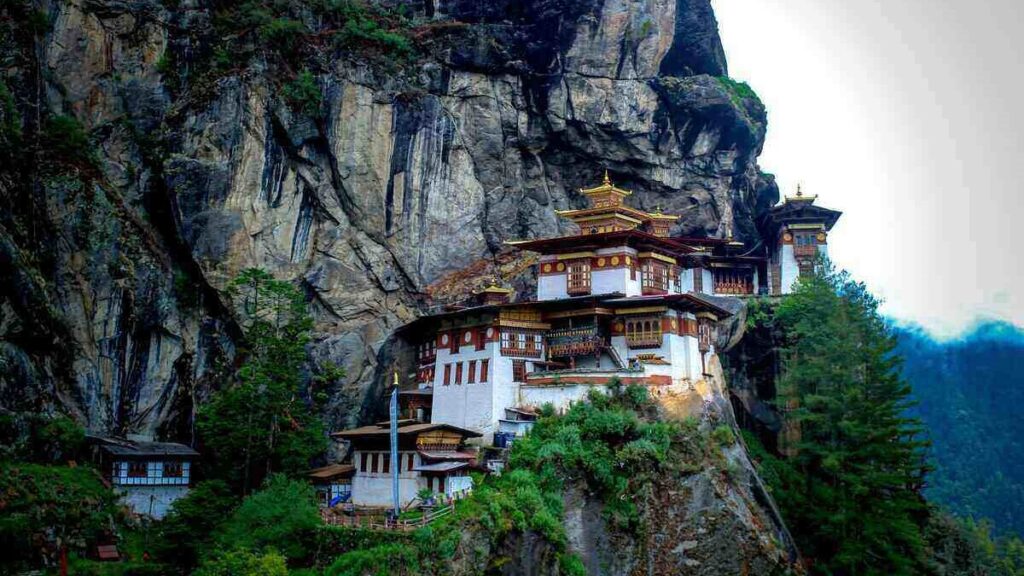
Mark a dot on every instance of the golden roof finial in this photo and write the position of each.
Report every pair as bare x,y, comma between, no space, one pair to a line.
607,180
396,378
799,190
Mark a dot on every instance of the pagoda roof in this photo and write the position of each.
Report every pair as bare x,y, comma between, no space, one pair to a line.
801,209
635,238
690,301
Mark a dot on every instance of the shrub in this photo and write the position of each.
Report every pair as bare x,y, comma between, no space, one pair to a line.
244,563
723,435
282,33
303,93
186,532
738,91
66,141
283,515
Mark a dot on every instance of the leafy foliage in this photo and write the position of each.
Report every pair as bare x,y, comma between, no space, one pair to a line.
43,507
851,492
262,423
186,533
282,516
244,563
303,93
40,438
738,91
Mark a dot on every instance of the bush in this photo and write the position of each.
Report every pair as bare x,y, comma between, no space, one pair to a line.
244,563
66,141
724,436
41,504
283,516
283,33
303,94
186,532
738,91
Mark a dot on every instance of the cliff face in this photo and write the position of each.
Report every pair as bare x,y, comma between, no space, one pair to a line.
402,180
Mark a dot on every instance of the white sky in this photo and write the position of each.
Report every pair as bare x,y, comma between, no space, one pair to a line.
907,116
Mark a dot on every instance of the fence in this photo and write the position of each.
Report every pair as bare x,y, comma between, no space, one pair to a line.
378,522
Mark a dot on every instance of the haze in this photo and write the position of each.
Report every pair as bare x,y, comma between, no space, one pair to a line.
905,115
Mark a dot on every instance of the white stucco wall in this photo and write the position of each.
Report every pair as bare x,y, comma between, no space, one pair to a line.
686,280
708,281
561,397
152,501
609,280
374,488
468,405
789,267
552,287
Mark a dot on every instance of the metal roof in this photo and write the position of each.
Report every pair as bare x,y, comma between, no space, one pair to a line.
134,449
440,467
331,471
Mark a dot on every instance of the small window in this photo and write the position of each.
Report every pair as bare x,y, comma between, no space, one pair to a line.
481,339
519,370
578,279
363,461
483,369
458,373
137,470
471,378
385,464
411,460
172,470
453,342
447,375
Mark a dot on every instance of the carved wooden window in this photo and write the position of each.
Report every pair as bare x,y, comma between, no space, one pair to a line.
520,344
703,335
172,470
578,279
471,377
484,364
655,276
137,470
519,370
643,332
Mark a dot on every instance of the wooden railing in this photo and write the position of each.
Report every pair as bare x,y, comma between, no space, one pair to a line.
379,522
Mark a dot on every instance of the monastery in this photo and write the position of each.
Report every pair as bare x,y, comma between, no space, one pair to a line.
621,301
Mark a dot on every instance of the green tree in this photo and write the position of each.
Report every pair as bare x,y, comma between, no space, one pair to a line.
856,506
185,534
283,516
263,423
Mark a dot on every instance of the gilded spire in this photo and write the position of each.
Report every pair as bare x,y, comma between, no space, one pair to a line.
607,180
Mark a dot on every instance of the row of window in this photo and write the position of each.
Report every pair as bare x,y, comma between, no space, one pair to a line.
380,462
521,344
141,469
471,375
806,238
655,276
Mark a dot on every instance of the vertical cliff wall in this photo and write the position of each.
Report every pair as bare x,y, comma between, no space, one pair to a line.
403,175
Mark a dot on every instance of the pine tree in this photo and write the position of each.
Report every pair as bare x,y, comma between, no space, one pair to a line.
857,503
262,423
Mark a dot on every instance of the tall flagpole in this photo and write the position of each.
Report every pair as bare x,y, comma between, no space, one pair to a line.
394,447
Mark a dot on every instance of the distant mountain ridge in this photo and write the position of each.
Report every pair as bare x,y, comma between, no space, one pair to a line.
970,391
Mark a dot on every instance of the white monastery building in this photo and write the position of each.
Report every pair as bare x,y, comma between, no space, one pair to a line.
622,301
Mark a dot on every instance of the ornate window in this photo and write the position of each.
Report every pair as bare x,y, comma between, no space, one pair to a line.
655,276
643,332
138,470
578,278
519,370
172,470
520,344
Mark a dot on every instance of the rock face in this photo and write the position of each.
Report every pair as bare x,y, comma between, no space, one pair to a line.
401,181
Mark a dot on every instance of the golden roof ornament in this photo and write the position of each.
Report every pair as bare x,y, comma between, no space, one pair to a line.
607,180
